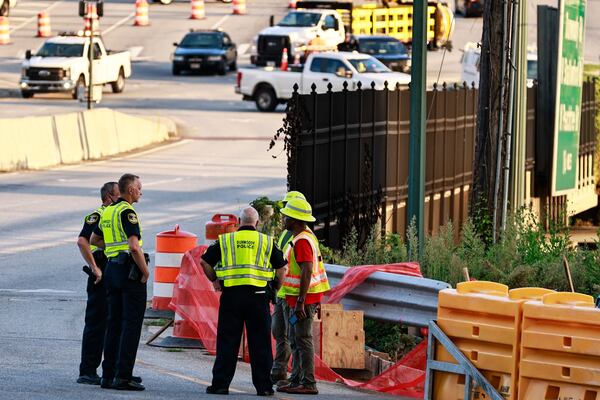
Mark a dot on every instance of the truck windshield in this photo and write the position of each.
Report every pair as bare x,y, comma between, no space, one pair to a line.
382,47
368,65
300,19
210,40
60,50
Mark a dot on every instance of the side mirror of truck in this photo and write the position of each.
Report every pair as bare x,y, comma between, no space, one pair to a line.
27,54
271,20
175,44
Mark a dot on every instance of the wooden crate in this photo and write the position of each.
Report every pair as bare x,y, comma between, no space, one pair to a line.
342,338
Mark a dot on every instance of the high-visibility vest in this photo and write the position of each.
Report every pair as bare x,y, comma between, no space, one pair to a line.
87,220
284,241
318,279
115,239
245,259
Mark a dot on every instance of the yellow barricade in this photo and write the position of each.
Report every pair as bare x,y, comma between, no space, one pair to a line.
361,21
560,348
430,23
483,319
380,21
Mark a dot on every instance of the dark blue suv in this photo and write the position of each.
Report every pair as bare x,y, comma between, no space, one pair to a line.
205,50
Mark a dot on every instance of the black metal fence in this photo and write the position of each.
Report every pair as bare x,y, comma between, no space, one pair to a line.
350,156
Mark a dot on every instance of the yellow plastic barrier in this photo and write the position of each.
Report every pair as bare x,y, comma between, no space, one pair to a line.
361,21
483,319
380,21
395,21
560,348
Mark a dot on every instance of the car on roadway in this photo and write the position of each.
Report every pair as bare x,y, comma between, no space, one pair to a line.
268,87
469,8
6,6
61,65
205,49
390,51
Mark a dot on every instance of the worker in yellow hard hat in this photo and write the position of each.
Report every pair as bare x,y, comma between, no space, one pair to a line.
304,285
279,323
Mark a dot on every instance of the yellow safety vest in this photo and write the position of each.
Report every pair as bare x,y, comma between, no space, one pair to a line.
284,241
245,259
115,239
98,211
318,279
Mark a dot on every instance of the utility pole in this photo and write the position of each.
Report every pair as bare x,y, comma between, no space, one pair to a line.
418,110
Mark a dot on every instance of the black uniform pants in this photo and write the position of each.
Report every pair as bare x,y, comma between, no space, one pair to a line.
126,307
92,341
241,305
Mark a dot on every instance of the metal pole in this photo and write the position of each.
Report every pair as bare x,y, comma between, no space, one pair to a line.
416,171
511,103
90,58
500,121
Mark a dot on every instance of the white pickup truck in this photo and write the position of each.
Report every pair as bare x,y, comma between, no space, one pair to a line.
294,33
61,65
268,87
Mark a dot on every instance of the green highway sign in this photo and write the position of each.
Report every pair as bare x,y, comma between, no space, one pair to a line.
568,96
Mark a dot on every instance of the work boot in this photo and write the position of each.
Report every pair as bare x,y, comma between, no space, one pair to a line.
92,379
214,390
106,383
126,384
301,389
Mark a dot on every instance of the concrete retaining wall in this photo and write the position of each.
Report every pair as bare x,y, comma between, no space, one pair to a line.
42,142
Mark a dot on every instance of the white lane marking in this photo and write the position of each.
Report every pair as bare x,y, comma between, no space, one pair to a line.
51,291
243,48
161,182
118,24
30,20
220,22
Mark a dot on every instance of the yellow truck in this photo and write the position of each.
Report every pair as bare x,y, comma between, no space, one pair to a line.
392,19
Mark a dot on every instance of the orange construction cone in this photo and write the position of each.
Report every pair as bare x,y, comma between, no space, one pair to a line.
44,25
284,59
91,19
239,7
4,31
141,13
292,4
198,10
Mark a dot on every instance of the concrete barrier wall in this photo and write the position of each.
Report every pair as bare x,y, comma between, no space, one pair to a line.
42,142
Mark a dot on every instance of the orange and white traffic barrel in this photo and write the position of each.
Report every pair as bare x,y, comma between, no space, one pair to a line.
239,7
219,224
44,25
4,31
170,248
198,11
141,13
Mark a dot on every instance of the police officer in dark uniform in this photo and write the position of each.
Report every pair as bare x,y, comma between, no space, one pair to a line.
120,234
92,342
246,261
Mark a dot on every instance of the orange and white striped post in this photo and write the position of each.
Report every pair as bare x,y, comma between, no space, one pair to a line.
92,22
198,11
170,248
239,7
141,13
4,31
44,25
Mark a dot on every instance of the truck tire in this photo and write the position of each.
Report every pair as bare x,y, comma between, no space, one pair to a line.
222,68
176,71
26,94
118,85
79,87
265,99
4,8
164,2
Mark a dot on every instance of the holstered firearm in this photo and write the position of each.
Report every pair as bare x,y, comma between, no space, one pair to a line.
135,274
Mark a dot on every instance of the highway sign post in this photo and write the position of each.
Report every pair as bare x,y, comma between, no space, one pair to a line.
568,96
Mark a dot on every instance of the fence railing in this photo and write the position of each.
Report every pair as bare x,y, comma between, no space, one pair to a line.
350,156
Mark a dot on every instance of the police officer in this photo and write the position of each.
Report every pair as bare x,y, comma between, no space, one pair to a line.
247,260
279,326
92,342
120,234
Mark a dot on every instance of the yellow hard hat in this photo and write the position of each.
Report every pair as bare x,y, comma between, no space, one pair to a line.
298,209
293,195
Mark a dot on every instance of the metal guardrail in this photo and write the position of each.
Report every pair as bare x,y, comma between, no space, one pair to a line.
391,297
464,366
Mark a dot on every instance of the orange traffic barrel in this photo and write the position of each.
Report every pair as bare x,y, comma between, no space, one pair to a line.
219,224
141,13
44,25
198,11
484,320
4,31
170,248
292,4
560,348
239,7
